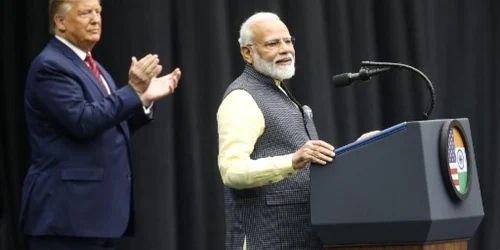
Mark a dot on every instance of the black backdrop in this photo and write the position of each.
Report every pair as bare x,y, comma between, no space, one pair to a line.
178,191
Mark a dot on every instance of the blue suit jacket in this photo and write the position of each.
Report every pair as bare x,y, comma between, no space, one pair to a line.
79,182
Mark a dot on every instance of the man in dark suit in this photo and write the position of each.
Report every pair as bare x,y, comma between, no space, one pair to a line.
77,193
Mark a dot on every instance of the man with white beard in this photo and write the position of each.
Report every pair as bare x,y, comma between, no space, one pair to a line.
266,144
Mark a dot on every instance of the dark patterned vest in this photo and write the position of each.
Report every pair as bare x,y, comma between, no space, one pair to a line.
275,216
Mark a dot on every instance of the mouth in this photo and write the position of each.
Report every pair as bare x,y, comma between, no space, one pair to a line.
284,61
96,31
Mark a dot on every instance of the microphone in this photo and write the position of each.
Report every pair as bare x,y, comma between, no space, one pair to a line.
364,74
307,111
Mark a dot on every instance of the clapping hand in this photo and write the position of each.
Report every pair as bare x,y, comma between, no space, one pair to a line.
143,71
162,86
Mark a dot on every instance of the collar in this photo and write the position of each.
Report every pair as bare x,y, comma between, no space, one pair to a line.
277,82
80,53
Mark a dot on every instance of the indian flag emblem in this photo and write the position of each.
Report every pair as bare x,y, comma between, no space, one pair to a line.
457,159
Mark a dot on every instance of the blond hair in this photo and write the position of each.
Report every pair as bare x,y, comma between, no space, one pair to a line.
59,7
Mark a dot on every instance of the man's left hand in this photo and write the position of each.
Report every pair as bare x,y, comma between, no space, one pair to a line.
367,134
161,86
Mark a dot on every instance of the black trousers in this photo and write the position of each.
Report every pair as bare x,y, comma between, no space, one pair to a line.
70,243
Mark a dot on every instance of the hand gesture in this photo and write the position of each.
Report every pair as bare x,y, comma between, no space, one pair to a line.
162,86
141,72
367,134
315,151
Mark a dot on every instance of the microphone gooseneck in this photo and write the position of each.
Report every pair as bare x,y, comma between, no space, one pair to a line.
365,74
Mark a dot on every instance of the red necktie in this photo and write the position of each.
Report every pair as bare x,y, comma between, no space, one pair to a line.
94,69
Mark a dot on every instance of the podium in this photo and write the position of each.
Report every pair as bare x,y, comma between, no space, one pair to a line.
412,186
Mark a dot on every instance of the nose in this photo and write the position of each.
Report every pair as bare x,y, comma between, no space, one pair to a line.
285,48
96,17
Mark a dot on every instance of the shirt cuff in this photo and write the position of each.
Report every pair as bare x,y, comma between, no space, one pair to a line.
148,110
284,165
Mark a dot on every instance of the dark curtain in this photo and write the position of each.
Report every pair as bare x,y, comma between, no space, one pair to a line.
177,188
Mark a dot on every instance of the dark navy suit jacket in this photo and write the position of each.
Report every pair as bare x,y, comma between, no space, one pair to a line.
79,182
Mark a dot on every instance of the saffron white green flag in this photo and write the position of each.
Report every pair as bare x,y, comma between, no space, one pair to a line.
458,160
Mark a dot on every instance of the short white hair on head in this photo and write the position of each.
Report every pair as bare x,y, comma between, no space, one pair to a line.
246,34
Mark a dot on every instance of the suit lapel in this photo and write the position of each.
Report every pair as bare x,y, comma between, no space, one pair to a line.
107,78
112,87
80,64
83,66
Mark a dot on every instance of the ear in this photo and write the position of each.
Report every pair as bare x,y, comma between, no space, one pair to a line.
246,53
60,23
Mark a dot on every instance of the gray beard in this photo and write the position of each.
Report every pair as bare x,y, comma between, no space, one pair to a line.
272,70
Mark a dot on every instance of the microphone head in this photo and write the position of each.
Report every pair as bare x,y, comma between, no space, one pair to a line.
341,80
308,111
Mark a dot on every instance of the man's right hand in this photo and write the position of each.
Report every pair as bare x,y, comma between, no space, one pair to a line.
141,72
315,151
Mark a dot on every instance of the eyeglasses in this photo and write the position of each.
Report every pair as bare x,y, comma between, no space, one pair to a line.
276,43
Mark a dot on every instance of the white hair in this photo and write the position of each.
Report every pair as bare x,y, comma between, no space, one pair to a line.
246,34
